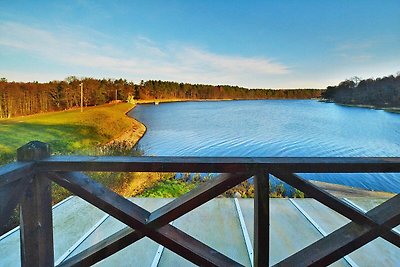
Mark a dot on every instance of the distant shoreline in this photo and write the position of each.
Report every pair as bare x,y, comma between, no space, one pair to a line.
387,109
154,101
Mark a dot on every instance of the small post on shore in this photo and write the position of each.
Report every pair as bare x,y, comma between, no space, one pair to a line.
81,85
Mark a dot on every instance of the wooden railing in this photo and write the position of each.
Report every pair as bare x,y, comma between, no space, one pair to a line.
28,182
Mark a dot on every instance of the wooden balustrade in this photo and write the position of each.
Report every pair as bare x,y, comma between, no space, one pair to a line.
27,182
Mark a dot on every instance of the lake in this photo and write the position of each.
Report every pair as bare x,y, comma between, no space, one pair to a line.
274,128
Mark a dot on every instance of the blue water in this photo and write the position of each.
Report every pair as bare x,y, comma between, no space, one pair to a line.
270,128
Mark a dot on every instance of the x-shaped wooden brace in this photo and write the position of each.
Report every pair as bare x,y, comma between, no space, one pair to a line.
143,223
363,228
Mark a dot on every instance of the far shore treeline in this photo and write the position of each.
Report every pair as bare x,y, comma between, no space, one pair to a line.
380,92
18,98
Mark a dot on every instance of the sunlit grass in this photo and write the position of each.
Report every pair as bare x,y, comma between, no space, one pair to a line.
67,132
169,187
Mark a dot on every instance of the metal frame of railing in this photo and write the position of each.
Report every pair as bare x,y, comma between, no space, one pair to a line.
28,182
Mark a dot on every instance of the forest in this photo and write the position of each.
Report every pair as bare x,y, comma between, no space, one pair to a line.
380,92
19,98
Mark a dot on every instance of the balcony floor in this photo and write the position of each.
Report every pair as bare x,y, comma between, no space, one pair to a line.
295,223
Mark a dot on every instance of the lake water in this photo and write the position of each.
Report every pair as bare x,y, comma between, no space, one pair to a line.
274,128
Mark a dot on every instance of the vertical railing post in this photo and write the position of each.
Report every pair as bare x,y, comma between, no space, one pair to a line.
35,212
261,218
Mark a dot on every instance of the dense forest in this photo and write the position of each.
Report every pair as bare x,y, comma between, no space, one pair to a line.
17,98
380,92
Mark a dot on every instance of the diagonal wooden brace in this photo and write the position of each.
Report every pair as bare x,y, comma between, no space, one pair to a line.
347,238
137,218
334,203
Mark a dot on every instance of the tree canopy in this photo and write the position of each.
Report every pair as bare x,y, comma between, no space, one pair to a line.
18,98
379,92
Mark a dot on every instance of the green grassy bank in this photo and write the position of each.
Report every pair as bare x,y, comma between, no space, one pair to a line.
97,130
67,132
104,130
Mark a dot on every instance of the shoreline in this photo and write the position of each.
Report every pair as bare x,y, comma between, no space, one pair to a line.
135,183
173,100
335,189
387,109
130,137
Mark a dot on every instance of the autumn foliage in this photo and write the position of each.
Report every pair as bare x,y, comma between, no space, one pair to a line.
17,98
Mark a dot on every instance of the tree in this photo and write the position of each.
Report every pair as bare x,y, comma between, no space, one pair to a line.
57,95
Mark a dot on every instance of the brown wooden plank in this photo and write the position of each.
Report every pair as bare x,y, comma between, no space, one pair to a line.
103,198
36,220
261,218
10,196
32,151
14,171
322,196
195,198
347,238
178,241
221,164
36,224
331,201
135,217
190,248
104,248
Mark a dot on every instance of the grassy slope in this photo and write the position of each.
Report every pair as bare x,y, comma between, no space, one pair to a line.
73,132
67,131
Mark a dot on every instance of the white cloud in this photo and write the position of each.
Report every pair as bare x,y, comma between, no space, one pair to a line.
356,51
139,58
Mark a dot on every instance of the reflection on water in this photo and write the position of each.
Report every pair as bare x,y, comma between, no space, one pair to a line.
274,128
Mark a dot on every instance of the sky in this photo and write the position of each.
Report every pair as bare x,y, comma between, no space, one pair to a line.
255,44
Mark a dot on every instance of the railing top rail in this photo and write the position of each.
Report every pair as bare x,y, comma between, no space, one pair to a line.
14,171
221,164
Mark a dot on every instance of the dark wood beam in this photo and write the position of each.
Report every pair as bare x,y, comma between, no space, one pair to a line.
261,218
137,217
347,238
332,202
36,220
104,248
174,209
14,171
220,164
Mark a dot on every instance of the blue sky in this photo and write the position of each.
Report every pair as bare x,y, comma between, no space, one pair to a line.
256,44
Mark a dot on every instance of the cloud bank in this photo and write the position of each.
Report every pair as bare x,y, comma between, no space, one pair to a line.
136,57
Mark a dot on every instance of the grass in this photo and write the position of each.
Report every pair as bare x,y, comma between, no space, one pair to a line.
170,187
73,132
67,132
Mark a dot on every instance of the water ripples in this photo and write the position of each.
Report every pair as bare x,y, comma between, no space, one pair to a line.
274,128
